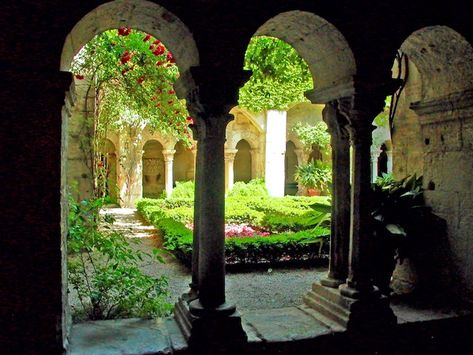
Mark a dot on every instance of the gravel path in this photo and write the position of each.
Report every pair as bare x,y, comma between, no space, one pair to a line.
262,289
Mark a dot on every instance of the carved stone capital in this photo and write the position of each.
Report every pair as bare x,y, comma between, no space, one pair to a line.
168,154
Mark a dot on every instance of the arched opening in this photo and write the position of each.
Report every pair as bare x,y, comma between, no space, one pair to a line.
243,163
183,168
429,139
130,16
153,169
290,163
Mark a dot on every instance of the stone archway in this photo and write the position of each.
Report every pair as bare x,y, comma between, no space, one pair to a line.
148,17
322,46
243,162
431,137
153,169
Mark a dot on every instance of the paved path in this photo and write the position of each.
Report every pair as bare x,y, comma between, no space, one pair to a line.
249,290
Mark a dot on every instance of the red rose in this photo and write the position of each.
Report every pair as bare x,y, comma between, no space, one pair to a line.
124,31
158,104
126,56
159,50
157,42
170,102
170,58
79,77
171,92
140,79
159,63
190,120
146,39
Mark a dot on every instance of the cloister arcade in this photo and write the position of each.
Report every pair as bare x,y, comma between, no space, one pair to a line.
350,56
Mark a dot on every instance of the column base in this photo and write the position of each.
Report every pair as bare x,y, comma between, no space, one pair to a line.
352,292
331,282
211,331
347,313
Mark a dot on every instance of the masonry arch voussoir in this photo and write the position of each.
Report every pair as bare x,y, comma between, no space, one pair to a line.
321,44
142,15
444,59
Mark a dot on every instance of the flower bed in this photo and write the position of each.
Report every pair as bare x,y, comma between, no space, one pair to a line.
292,240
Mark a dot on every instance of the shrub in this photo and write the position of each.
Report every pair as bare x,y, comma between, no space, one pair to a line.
254,188
103,269
184,190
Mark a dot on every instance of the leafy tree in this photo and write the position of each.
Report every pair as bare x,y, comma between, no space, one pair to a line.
280,76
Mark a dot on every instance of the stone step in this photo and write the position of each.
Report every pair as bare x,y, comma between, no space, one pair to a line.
181,315
334,326
329,304
332,294
312,300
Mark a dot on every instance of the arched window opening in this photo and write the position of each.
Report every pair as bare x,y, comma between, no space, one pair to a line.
242,164
153,169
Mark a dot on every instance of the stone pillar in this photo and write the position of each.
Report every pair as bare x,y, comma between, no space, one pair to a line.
340,226
359,284
229,172
275,152
375,151
389,154
168,155
212,207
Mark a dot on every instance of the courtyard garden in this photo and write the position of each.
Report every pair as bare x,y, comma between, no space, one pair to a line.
259,229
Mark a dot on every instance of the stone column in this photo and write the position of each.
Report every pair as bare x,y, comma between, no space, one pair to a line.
229,172
359,284
275,152
211,264
389,154
340,226
168,155
375,151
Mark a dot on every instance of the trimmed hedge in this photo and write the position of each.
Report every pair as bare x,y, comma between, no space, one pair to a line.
304,245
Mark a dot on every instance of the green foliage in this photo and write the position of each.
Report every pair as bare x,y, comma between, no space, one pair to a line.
398,214
103,269
286,215
133,74
184,189
280,76
310,135
315,174
254,188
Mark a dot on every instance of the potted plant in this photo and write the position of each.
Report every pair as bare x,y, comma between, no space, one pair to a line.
315,176
398,214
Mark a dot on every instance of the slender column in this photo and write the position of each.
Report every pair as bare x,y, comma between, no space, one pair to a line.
340,226
212,206
389,154
168,171
359,282
229,160
375,151
199,174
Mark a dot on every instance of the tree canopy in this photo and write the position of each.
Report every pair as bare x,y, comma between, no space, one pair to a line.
280,75
133,74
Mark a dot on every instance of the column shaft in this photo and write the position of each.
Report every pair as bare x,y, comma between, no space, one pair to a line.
212,207
340,226
168,173
359,278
